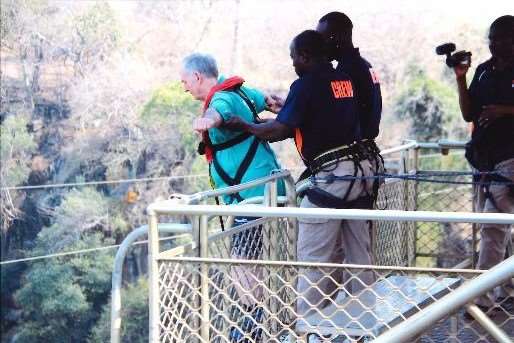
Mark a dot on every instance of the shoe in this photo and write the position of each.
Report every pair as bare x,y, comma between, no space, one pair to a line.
249,326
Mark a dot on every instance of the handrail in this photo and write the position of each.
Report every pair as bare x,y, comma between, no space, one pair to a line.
413,144
415,325
403,147
172,208
117,273
200,196
199,229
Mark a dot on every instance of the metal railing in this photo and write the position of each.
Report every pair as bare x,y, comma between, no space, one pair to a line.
197,300
395,243
117,273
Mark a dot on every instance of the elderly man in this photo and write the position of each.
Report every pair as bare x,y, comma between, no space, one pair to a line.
234,158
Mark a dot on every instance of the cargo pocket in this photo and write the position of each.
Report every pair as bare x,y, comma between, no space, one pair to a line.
306,203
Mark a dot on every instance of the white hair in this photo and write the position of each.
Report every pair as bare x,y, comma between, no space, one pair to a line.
202,63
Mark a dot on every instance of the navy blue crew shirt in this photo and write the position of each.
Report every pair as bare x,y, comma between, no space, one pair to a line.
491,86
321,108
367,89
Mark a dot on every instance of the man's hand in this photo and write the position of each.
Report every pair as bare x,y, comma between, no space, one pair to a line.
274,103
202,124
211,118
236,123
492,112
461,69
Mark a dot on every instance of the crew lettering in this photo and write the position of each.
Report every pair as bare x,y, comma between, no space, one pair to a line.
374,76
342,89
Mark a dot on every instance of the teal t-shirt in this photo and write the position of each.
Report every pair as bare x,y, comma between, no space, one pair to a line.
229,104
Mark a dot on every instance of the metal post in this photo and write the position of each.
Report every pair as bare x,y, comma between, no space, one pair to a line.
117,273
204,271
404,169
414,233
153,271
196,277
404,154
292,232
274,235
477,199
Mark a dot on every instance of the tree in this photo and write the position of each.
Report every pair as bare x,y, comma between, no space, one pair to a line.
16,148
60,302
134,314
431,107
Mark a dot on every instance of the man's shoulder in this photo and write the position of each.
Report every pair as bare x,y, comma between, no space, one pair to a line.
225,96
487,65
340,74
358,65
222,102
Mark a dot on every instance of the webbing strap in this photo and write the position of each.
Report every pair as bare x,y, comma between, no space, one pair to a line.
248,102
245,164
324,199
243,167
352,153
231,142
236,140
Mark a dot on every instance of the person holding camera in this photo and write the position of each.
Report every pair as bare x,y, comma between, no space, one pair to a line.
489,105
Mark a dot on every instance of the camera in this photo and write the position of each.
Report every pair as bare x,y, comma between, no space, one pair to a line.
452,60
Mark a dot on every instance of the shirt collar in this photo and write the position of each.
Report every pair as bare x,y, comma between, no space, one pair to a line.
350,53
324,66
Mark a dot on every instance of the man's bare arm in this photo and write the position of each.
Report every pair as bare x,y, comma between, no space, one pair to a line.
270,130
462,86
210,119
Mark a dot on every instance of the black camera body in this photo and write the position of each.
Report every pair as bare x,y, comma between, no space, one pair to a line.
452,60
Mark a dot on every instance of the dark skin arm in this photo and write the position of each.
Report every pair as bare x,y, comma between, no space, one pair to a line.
464,101
270,130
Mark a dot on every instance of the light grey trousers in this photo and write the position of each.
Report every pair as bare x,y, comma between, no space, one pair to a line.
334,241
494,238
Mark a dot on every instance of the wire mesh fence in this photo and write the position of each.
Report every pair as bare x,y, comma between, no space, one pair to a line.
269,313
247,290
445,184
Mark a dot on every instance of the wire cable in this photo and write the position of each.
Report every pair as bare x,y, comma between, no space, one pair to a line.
77,252
94,183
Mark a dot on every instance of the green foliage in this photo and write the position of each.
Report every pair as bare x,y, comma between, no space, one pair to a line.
60,300
97,26
80,212
199,167
436,161
432,108
168,104
16,145
134,314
